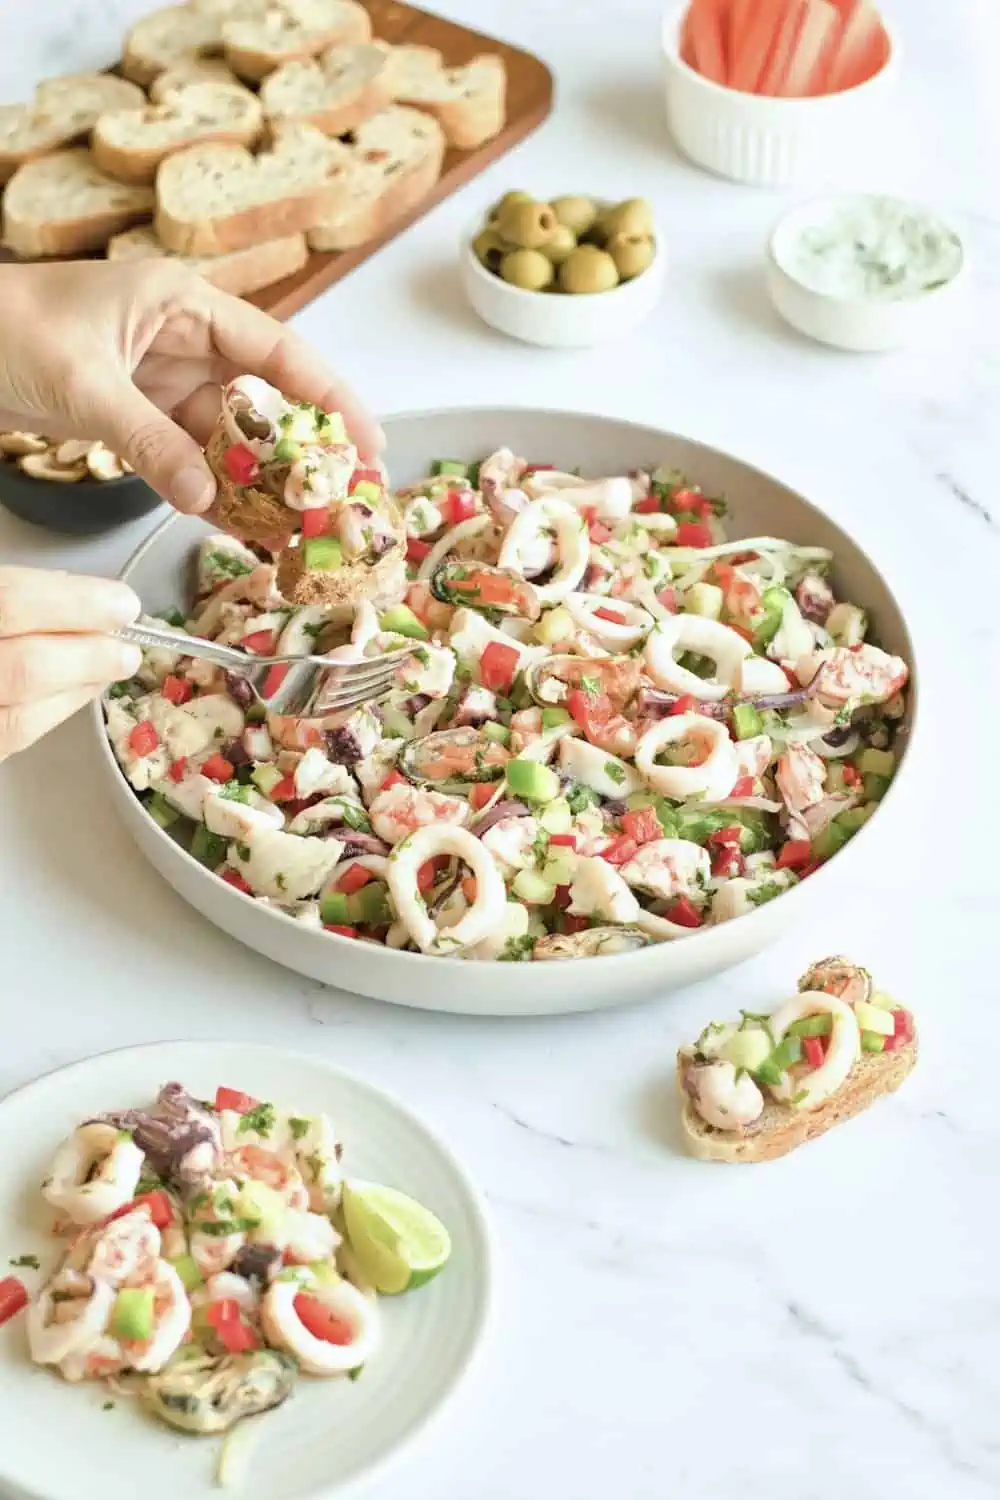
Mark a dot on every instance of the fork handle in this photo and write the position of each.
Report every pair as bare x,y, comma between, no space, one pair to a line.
182,644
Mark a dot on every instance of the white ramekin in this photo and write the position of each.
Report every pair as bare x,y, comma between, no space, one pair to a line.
765,141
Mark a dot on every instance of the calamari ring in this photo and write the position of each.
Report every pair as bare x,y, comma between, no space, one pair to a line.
95,1172
713,777
621,634
812,1089
284,1327
572,544
491,893
727,649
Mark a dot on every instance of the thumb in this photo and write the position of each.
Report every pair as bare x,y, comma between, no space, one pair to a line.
159,450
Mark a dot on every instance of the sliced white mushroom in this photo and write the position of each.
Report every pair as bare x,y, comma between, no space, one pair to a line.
714,774
677,634
537,521
605,774
94,1173
404,867
351,1309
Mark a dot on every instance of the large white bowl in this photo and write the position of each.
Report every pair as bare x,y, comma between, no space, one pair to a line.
160,571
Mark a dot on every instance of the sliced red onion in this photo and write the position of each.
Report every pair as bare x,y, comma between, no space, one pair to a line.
356,843
235,753
239,690
343,746
497,813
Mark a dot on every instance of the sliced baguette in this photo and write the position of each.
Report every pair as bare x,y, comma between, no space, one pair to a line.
64,204
469,102
247,512
130,144
397,157
212,199
336,91
177,34
381,583
780,1128
194,70
240,272
291,31
62,110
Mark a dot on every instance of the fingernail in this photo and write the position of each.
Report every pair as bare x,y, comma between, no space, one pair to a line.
131,661
192,491
126,606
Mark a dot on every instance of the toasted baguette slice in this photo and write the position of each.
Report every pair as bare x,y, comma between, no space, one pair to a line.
241,272
163,39
469,102
194,70
252,514
291,32
212,199
62,110
397,158
780,1128
64,204
336,91
130,144
382,583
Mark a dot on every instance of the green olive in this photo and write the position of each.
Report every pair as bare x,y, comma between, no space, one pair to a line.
576,212
634,216
526,225
498,207
631,253
489,249
588,269
560,243
529,269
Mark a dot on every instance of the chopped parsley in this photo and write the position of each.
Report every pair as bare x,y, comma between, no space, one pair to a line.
591,686
354,817
172,617
27,1262
766,892
244,852
298,1127
614,771
579,796
108,1406
280,881
224,562
540,846
798,1098
219,1228
517,949
355,1374
233,791
260,1119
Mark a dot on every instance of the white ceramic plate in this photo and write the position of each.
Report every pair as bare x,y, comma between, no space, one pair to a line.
161,573
57,1441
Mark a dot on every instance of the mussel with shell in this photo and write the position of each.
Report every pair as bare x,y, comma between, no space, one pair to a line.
205,1393
453,755
481,586
595,942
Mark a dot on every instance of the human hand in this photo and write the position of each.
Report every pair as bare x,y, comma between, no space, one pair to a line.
57,649
135,355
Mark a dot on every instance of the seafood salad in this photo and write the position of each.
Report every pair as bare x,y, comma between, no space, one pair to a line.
614,726
212,1253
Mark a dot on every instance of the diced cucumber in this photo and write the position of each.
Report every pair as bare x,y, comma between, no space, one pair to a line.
366,490
787,1053
847,624
883,1001
555,625
533,888
287,450
555,718
132,1315
875,786
530,779
256,1201
187,1269
704,599
874,1018
207,848
369,907
828,841
812,1026
746,721
768,1072
560,867
669,821
556,816
747,1049
452,466
160,810
773,602
265,777
854,818
333,910
402,621
322,554
324,1272
876,762
395,724
638,800
498,733
872,1042
834,778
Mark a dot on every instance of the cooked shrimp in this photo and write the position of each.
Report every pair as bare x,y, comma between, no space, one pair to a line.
350,1334
513,844
667,867
852,675
267,1167
307,1237
124,1250
800,776
95,1172
705,763
400,810
838,976
753,756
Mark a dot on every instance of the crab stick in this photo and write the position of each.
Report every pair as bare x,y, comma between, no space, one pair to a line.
861,49
706,38
753,27
808,63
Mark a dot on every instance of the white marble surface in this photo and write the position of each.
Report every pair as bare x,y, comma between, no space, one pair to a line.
826,1326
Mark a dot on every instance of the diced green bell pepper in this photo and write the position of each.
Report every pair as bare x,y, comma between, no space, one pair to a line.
207,848
322,554
132,1315
746,721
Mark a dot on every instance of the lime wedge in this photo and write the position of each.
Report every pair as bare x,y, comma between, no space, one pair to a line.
398,1243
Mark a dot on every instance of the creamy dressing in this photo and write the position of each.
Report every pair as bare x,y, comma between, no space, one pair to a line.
877,248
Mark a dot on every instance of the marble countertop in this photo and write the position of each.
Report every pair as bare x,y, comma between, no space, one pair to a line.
825,1326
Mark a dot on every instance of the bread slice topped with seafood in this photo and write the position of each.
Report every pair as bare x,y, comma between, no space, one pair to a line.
755,1089
290,480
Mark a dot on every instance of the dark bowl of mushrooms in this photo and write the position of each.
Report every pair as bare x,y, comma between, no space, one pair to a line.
78,488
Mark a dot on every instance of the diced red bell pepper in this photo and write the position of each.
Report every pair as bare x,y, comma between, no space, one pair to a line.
812,1050
480,793
235,879
235,1099
590,710
317,1319
794,855
259,642
218,768
350,932
13,1297
731,837
177,770
363,476
743,787
394,778
684,913
538,469
562,898
353,878
684,705
642,825
498,667
903,1022
693,534
315,521
469,888
176,690
144,739
810,868
668,598
852,776
241,464
160,1208
648,506
426,875
416,550
284,790
727,862
573,924
609,614
234,1334
599,533
691,503
563,840
458,505
620,850
274,677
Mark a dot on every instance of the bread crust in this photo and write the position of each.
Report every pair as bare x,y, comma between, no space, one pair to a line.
246,512
44,111
402,191
781,1129
143,61
239,273
352,24
343,587
335,118
32,237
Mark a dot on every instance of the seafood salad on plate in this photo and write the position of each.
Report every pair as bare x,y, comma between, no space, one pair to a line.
614,726
212,1253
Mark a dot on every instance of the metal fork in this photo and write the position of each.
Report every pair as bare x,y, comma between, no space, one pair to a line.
311,687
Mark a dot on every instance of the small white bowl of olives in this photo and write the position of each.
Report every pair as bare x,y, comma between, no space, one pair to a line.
566,272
